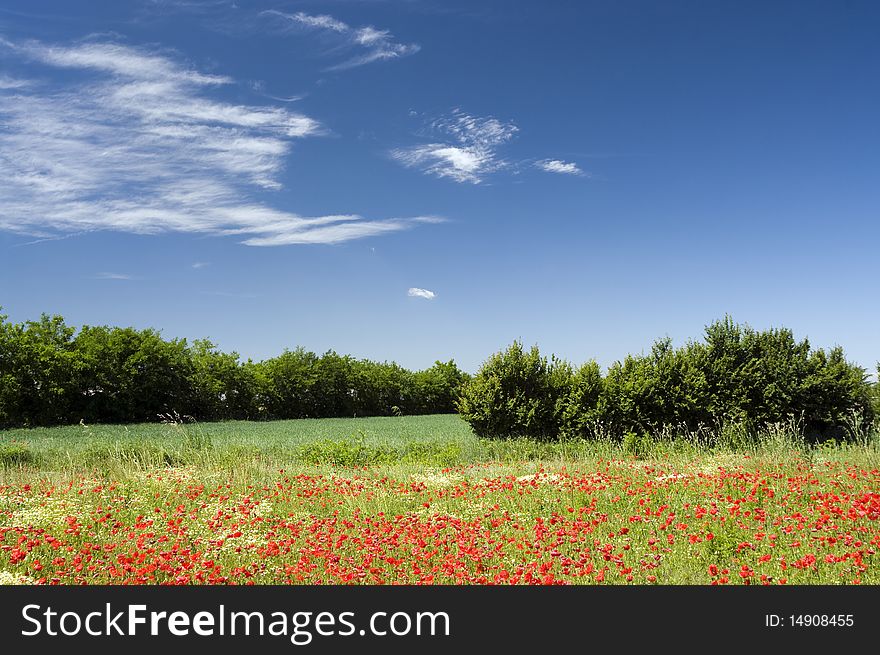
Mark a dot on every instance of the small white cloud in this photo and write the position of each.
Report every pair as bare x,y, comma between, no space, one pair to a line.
415,292
321,21
559,166
113,276
200,264
460,164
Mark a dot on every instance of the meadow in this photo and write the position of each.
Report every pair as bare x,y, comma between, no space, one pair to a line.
421,500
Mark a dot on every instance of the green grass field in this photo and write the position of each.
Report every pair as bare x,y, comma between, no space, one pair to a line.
438,440
421,500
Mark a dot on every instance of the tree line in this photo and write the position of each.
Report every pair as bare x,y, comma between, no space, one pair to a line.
51,374
735,377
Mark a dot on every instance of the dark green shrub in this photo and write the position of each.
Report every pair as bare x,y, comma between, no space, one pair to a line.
436,390
875,395
737,378
762,378
835,396
378,388
290,381
578,411
223,387
646,393
129,375
38,368
516,394
14,455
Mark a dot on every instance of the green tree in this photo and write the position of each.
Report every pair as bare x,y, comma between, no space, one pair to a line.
38,362
131,375
578,410
516,393
436,389
291,384
224,387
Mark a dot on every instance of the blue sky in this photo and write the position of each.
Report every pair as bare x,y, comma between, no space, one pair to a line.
415,180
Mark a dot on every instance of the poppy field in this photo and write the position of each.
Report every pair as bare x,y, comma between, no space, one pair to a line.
672,516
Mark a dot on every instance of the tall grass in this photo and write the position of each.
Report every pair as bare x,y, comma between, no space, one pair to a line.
439,441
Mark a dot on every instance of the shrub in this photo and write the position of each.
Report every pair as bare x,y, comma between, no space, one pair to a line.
224,387
875,395
737,380
764,378
130,375
436,389
578,411
14,455
646,393
516,394
38,366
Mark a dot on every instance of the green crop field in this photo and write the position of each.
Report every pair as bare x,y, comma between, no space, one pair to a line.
439,440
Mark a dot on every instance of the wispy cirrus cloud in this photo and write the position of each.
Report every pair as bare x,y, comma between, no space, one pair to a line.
367,44
415,292
11,83
559,166
138,142
321,22
469,152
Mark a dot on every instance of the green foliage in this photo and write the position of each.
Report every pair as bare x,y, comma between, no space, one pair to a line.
578,410
127,375
436,389
356,451
649,392
299,384
875,395
51,374
737,377
290,381
224,388
38,370
764,378
517,394
637,445
15,455
736,384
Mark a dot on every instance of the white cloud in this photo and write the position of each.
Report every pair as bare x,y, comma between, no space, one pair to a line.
348,227
559,166
137,143
200,264
415,292
7,83
113,276
373,44
473,153
120,60
322,22
460,164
